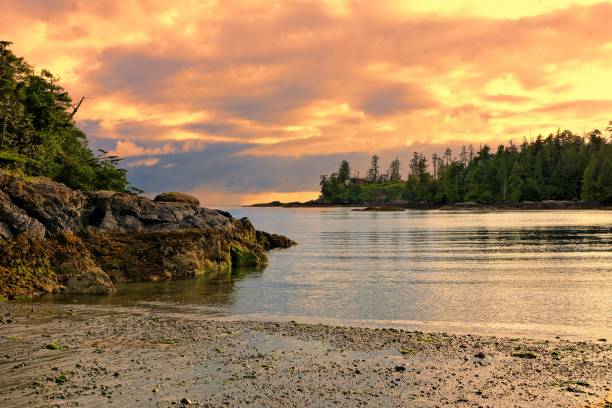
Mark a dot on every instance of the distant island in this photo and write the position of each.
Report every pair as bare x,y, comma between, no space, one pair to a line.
560,171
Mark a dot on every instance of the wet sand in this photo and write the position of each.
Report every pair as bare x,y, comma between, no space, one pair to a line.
133,358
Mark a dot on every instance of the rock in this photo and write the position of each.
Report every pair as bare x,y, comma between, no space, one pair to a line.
86,241
480,354
93,282
186,401
51,204
15,220
400,369
272,241
5,232
525,354
122,212
381,208
174,197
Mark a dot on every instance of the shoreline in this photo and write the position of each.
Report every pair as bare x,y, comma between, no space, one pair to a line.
145,358
468,206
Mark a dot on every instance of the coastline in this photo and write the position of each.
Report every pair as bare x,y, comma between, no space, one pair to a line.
129,356
54,239
505,206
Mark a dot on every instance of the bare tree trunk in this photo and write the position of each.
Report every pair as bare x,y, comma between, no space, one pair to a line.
4,124
76,108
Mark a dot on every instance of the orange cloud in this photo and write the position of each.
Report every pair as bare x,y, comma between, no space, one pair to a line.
299,78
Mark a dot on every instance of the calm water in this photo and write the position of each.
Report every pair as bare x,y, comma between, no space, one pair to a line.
517,273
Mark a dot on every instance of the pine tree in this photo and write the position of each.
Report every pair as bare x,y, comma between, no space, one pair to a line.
394,170
374,172
38,135
344,171
464,156
434,165
448,155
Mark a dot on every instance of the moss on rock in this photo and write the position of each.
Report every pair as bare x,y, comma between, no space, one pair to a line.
244,255
53,238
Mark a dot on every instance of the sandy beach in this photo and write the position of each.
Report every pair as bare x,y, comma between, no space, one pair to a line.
63,355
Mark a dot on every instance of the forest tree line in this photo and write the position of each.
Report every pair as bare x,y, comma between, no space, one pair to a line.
562,166
38,134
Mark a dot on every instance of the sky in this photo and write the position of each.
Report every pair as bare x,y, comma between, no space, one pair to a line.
250,101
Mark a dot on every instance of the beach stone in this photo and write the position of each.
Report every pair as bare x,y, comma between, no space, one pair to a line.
94,281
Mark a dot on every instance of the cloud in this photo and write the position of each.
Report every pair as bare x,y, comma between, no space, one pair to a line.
579,107
394,98
300,82
142,72
128,148
502,98
151,161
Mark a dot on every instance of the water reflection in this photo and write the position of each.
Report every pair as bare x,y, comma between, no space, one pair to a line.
537,272
216,291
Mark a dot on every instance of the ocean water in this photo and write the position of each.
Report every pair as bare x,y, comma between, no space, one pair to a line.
531,273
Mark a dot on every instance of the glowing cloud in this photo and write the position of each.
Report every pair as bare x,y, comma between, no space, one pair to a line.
314,78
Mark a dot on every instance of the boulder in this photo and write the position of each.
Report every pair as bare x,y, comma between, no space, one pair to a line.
174,197
93,281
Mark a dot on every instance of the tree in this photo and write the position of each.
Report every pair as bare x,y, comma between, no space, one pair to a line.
448,155
344,171
562,166
394,170
373,173
463,155
38,135
434,165
597,178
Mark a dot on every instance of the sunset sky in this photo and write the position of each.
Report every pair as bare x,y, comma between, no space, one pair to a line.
245,101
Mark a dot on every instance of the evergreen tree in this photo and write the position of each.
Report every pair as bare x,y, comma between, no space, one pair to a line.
394,170
374,172
38,135
562,166
344,172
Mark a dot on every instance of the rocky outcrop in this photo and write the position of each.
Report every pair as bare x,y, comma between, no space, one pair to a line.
53,238
120,212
